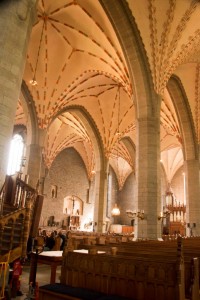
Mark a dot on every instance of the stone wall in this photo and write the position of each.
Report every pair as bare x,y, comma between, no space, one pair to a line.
112,197
163,187
178,186
68,174
126,199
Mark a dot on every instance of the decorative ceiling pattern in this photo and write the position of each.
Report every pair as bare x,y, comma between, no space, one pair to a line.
88,63
67,131
170,33
77,62
171,36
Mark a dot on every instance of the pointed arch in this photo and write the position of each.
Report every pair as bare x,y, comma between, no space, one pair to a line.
181,104
81,113
128,34
29,110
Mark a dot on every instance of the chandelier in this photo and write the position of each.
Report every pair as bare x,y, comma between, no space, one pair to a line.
115,211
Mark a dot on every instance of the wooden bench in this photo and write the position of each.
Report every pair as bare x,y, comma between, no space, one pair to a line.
132,277
153,256
158,249
147,253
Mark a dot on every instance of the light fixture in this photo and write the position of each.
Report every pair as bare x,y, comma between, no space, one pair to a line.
164,214
115,211
33,81
135,214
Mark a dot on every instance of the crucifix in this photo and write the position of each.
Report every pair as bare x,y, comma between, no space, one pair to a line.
73,204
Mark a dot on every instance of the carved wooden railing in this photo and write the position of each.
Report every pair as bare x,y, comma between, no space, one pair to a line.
18,201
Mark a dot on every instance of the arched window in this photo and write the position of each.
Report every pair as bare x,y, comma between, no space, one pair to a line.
15,155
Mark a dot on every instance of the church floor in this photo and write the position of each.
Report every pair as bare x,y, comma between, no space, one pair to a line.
42,277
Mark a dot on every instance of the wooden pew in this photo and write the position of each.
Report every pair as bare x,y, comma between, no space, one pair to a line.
158,249
140,270
134,276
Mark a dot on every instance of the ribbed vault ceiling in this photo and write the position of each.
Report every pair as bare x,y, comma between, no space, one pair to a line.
78,63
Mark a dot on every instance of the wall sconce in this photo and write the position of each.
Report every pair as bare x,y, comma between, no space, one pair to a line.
135,214
163,215
191,226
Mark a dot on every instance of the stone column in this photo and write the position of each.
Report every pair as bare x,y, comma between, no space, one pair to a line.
35,163
192,197
16,20
148,196
101,178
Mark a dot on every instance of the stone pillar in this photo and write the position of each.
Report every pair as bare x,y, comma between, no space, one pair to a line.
35,164
16,20
192,197
101,178
148,195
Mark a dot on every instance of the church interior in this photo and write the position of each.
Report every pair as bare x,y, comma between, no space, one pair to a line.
100,119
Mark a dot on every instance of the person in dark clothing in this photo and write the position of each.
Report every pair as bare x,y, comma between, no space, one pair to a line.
63,237
50,242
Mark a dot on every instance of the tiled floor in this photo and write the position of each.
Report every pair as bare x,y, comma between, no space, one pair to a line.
42,277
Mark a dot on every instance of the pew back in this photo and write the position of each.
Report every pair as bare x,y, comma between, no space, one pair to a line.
138,278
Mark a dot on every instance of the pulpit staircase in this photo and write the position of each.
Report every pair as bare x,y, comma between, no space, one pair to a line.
19,217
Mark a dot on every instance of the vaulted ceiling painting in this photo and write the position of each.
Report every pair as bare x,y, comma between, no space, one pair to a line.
78,63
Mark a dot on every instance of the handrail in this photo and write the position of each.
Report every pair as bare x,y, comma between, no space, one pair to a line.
4,272
12,215
14,192
10,221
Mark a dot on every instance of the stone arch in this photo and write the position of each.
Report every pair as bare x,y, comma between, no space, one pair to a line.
33,143
131,148
29,110
180,101
92,130
128,34
190,152
147,103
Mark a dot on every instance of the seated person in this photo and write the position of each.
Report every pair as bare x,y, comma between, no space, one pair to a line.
50,242
62,236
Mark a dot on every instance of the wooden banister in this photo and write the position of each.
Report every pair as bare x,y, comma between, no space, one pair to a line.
18,200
